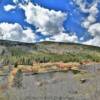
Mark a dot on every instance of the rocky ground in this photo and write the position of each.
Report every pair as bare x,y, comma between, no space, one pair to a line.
84,85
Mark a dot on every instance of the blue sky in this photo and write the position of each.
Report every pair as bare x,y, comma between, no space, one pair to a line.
80,20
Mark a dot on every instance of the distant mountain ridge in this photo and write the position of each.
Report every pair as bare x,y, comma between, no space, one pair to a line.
9,42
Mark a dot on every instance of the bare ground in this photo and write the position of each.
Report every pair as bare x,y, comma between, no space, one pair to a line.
58,86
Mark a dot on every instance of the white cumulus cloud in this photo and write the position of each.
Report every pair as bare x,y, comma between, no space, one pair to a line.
63,37
21,1
93,11
48,22
90,22
9,7
16,32
95,32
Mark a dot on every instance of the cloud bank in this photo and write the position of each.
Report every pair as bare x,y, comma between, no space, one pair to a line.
15,32
48,22
90,23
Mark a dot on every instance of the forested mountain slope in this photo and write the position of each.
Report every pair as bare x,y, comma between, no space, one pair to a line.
26,53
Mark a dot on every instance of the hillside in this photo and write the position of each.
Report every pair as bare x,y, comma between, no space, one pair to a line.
26,53
59,69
